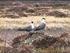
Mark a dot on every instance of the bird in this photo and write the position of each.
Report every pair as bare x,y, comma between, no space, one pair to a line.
42,25
28,28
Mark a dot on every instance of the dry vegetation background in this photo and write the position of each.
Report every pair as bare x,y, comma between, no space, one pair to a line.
14,15
17,14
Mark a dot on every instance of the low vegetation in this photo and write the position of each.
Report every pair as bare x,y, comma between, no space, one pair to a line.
16,15
57,14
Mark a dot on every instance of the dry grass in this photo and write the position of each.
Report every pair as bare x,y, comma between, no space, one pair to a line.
21,22
50,50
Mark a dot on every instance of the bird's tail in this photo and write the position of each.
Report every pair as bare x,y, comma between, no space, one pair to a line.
20,29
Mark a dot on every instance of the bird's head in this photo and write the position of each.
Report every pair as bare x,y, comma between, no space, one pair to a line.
43,20
32,24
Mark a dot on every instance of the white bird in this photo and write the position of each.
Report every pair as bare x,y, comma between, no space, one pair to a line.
28,28
42,25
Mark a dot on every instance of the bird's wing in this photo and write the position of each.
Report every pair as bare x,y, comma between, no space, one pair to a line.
40,27
28,28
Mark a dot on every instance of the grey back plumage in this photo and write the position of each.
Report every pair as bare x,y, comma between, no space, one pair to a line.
29,28
41,27
25,29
